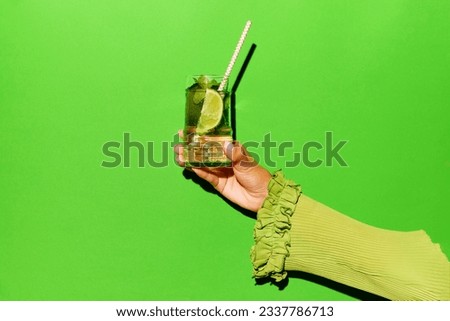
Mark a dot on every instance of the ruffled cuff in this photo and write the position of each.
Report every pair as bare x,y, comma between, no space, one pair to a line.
272,228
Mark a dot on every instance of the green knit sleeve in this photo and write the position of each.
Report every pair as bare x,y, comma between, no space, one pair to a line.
296,233
392,264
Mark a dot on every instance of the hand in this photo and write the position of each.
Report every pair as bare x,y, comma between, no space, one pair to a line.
244,184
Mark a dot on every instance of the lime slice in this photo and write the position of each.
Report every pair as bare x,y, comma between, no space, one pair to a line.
211,112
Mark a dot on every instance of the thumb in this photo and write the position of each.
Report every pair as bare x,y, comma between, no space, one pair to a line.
239,156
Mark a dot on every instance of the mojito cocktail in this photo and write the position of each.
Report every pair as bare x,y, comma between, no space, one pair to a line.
207,122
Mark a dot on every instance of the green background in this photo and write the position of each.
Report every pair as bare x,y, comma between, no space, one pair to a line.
76,74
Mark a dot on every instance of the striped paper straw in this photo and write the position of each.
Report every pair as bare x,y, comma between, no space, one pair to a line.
235,55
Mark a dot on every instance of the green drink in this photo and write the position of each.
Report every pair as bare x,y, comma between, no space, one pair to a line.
207,123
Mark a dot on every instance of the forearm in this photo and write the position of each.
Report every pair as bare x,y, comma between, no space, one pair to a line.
294,232
395,265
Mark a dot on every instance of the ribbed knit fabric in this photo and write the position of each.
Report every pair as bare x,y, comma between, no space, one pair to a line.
391,264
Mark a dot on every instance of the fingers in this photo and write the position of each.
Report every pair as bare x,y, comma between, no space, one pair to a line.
179,154
236,152
179,150
204,173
